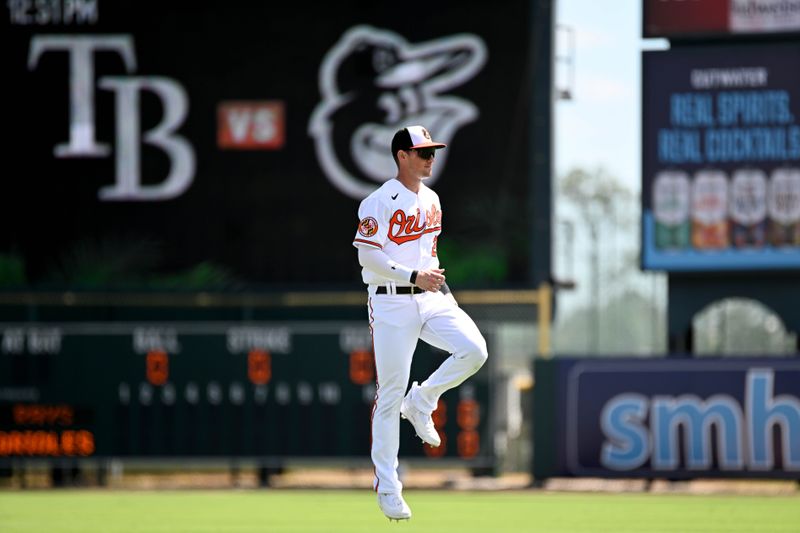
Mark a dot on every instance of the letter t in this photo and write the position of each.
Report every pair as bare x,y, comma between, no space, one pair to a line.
81,86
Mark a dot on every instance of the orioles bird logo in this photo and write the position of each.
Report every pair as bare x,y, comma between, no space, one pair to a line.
373,82
368,227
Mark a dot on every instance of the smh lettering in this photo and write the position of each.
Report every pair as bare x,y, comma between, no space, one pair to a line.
744,441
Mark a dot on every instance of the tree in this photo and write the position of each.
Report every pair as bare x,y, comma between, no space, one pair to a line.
634,323
605,216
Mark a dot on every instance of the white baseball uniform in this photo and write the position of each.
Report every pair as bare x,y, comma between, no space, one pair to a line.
396,235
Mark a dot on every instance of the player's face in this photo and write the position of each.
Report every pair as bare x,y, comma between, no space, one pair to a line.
421,161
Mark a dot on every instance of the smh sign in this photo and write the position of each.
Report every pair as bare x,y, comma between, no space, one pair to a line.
638,428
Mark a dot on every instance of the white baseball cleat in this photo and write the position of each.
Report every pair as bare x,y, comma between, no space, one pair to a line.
394,506
422,422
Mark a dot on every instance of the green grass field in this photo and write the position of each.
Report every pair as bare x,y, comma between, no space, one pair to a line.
90,511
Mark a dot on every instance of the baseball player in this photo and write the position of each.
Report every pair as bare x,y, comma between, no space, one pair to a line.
398,227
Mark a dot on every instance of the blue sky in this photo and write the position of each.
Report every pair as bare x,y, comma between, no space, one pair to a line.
600,126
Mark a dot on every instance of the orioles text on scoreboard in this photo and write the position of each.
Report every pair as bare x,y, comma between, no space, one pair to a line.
43,430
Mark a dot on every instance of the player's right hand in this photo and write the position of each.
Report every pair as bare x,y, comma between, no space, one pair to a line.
430,280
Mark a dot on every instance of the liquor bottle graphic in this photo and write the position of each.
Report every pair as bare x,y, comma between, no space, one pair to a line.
671,198
748,208
783,205
710,210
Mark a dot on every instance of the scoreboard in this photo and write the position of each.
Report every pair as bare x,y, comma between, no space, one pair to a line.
266,391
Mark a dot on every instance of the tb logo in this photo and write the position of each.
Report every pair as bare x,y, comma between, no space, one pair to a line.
127,91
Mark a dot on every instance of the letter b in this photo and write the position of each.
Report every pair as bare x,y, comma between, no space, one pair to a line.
128,186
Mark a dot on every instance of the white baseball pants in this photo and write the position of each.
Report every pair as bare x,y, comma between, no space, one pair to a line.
397,322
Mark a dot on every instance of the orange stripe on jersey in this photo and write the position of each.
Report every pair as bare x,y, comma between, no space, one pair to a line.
397,239
375,244
377,388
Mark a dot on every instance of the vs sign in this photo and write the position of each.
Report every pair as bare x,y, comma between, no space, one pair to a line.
244,125
127,90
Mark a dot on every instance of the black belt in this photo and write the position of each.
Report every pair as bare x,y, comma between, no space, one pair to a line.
399,290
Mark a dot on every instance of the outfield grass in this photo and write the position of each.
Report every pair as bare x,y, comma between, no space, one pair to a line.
90,511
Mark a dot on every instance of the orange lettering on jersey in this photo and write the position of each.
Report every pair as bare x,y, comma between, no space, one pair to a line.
405,228
433,216
413,224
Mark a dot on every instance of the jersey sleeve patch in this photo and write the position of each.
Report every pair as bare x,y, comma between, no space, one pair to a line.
368,227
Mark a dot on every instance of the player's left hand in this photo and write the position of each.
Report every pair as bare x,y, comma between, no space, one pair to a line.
430,280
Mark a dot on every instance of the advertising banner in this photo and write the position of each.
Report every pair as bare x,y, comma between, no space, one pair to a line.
669,418
721,158
707,18
229,145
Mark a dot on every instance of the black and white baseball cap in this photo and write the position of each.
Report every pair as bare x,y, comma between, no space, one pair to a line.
414,137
